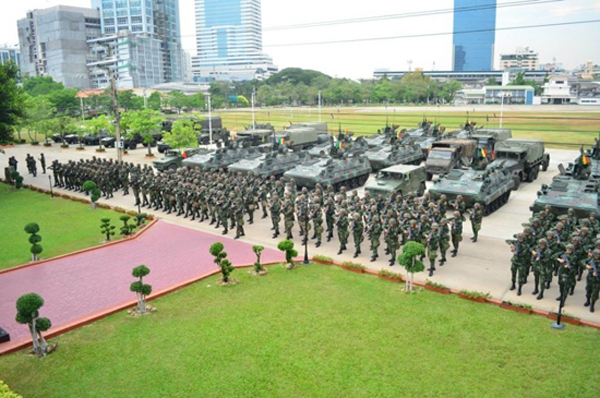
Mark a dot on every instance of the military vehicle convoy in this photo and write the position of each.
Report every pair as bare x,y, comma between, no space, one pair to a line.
523,157
445,155
490,188
221,158
350,171
397,179
389,155
174,157
269,164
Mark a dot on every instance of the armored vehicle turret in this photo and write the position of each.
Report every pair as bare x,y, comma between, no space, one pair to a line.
221,158
349,171
269,164
490,187
389,155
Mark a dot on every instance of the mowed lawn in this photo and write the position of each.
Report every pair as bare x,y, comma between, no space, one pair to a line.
313,331
65,226
558,130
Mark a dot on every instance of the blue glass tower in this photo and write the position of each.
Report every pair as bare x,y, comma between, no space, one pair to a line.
474,51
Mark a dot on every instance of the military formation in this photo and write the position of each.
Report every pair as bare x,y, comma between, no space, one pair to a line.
229,201
565,247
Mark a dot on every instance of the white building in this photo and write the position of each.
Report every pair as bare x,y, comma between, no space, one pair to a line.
10,53
229,41
521,95
558,90
186,67
523,58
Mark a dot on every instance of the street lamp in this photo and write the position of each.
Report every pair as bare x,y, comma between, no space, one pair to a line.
210,134
51,191
502,95
306,262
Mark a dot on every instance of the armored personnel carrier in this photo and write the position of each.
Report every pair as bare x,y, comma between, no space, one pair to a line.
349,171
269,164
565,192
389,155
221,158
490,187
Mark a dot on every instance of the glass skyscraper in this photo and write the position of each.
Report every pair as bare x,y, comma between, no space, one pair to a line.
474,51
229,41
156,20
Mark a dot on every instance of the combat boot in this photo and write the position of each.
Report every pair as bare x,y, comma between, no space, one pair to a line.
512,287
317,244
540,296
535,290
355,255
224,231
275,235
519,291
454,253
373,258
587,302
431,271
392,262
572,291
592,307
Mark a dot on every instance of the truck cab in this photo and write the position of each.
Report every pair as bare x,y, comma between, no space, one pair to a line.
402,179
447,154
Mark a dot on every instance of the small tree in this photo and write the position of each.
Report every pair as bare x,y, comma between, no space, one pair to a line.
144,123
18,179
182,135
126,229
106,228
99,124
216,249
140,288
28,306
91,188
408,259
287,246
34,239
140,219
258,251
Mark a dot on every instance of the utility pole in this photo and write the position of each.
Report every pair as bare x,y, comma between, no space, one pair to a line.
82,115
113,90
145,100
210,135
319,105
253,118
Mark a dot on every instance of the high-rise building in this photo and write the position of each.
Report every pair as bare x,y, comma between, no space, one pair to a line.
522,58
229,41
10,54
474,51
155,21
53,43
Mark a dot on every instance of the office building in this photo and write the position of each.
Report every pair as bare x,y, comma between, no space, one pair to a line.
474,51
157,24
229,41
10,54
53,43
514,95
521,59
468,79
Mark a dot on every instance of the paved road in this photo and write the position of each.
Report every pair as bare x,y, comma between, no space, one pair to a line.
82,284
482,266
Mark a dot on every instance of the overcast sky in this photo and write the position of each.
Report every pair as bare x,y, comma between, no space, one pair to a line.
570,45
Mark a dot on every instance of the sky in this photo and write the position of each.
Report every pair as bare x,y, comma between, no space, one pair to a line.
570,45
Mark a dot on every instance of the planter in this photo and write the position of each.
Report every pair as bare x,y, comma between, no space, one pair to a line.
150,156
565,319
515,309
475,299
47,144
100,150
390,278
323,262
437,289
80,148
64,146
35,143
120,211
357,270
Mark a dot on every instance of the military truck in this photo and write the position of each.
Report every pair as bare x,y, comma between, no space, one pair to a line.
300,138
488,138
349,171
389,155
319,127
273,163
445,155
174,157
490,188
402,179
523,157
254,137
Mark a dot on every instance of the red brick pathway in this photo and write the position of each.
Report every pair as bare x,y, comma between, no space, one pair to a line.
89,282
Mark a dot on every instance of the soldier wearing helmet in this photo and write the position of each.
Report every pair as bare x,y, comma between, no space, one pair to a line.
357,232
520,262
456,230
460,206
592,287
476,219
342,230
542,267
566,273
432,245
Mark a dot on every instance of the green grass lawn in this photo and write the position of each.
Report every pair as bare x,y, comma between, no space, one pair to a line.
65,226
313,331
558,130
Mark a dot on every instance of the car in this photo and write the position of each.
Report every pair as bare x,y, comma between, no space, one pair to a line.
401,178
174,157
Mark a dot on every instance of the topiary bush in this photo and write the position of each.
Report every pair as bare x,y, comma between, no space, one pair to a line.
28,306
127,229
107,229
408,259
287,246
34,239
5,391
92,188
258,251
140,288
217,250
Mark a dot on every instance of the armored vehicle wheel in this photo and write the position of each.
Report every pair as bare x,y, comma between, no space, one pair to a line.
429,176
132,145
517,183
363,179
530,175
172,166
421,189
545,165
536,173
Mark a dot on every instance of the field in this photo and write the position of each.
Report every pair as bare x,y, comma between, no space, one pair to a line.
559,130
313,331
65,226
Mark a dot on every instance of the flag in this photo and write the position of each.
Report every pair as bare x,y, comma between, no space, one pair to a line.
483,153
282,141
184,154
585,160
339,144
346,132
399,134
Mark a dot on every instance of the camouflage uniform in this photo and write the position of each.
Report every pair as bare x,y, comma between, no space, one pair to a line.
433,244
374,231
342,230
357,233
476,219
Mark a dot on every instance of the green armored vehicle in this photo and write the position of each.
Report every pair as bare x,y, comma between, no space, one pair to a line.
338,149
349,171
566,192
389,155
490,187
402,179
269,164
221,158
174,157
523,157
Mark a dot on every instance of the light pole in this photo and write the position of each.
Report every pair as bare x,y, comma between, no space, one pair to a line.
253,118
210,135
319,105
51,191
502,95
306,262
